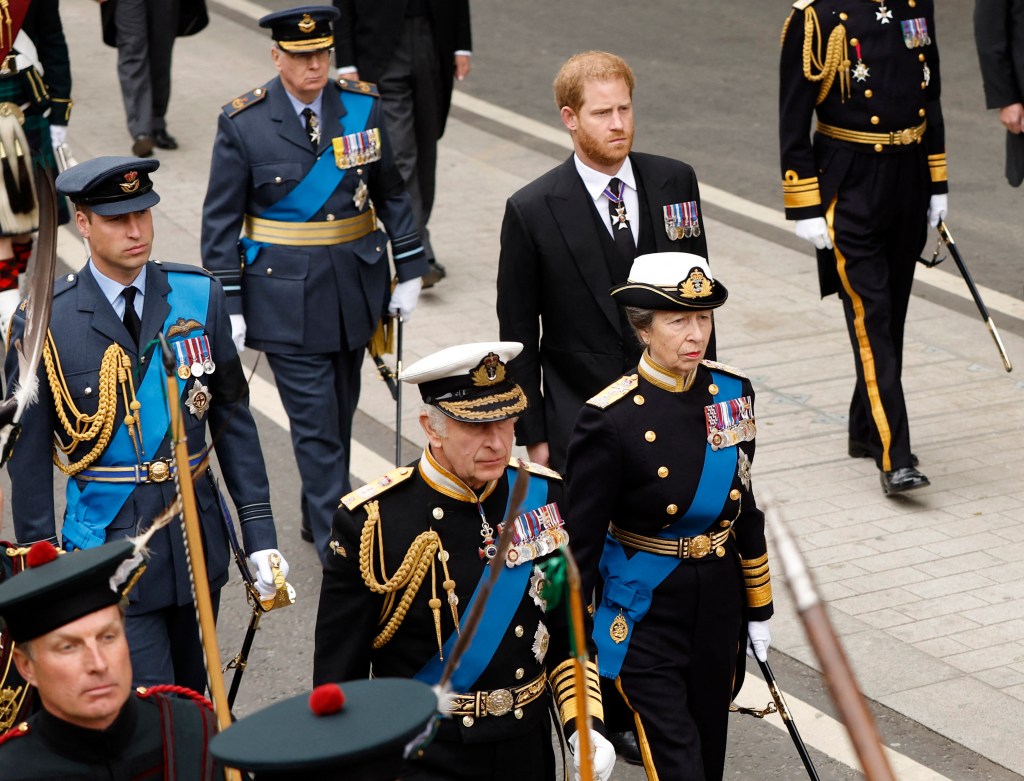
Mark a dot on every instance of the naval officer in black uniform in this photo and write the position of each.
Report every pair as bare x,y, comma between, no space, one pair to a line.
407,553
866,187
664,524
65,614
103,418
302,167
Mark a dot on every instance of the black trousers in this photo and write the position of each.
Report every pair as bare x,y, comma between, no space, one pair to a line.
879,226
678,672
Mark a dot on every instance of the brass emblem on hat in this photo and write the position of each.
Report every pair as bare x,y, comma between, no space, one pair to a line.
306,24
490,371
696,285
131,182
619,630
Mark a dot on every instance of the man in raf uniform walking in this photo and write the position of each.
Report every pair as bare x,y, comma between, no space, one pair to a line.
864,191
303,168
103,418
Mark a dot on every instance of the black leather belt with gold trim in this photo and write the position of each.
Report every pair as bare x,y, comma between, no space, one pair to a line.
497,702
910,135
682,548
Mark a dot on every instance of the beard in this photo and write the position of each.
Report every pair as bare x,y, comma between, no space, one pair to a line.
599,150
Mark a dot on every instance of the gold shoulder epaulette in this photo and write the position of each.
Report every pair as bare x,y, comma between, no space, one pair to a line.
800,5
617,390
724,367
243,102
533,469
364,87
376,488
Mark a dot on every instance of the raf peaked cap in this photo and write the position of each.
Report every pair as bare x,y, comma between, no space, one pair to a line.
111,185
303,29
355,731
470,382
670,281
58,589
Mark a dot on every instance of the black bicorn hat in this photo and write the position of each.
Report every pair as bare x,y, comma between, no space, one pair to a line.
58,588
307,28
470,382
670,281
355,731
111,185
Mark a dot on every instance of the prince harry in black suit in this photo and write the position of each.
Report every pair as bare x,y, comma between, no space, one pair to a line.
571,235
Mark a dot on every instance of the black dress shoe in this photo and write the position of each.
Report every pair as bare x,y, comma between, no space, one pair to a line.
860,450
164,140
306,533
625,747
434,275
904,479
142,145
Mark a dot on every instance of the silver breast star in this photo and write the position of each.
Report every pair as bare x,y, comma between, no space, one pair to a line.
884,15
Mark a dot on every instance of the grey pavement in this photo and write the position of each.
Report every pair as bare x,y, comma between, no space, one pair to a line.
925,589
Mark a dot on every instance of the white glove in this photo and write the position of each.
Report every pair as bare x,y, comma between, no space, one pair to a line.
404,297
238,332
937,208
604,755
9,300
814,230
58,135
260,560
759,639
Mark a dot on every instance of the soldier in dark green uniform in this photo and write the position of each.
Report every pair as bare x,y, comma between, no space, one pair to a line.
65,614
864,190
406,554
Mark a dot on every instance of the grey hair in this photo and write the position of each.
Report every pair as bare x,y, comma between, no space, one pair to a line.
438,420
640,319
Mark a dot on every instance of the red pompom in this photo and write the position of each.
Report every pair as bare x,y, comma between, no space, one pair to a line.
326,699
41,552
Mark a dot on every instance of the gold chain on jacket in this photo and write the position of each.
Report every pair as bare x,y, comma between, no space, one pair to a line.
424,551
835,62
114,372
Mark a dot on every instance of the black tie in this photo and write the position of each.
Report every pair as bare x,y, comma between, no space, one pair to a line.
131,317
312,127
621,231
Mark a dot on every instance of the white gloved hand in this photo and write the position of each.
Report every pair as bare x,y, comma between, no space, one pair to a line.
759,639
264,577
238,332
9,300
937,208
404,297
604,755
58,135
814,230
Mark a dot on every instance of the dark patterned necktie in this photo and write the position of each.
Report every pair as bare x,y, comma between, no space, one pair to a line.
312,127
131,317
621,231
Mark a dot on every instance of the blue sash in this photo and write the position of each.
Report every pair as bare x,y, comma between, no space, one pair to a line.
505,598
91,509
630,583
310,195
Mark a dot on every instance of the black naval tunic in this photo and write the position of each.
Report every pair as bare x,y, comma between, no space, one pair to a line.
409,502
870,72
17,698
635,461
156,736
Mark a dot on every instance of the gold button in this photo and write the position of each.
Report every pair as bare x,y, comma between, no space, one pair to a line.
920,112
924,84
467,721
869,93
713,389
359,171
843,16
377,249
719,551
88,391
920,58
912,3
638,400
650,436
853,41
878,147
330,218
672,509
270,271
277,180
438,513
875,120
520,673
519,631
734,494
518,713
442,555
71,277
662,471
258,91
725,524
